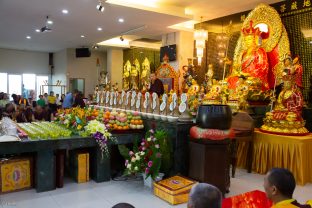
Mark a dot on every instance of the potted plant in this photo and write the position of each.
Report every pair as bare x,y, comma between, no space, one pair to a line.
145,159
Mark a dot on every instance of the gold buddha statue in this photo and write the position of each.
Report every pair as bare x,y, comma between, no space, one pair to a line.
253,64
126,75
214,94
145,74
194,88
135,70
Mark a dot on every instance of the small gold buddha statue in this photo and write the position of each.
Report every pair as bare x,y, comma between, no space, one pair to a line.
286,117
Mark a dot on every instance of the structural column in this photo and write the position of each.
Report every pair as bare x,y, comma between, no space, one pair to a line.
115,66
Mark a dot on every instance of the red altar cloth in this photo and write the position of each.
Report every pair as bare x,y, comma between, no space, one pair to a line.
253,199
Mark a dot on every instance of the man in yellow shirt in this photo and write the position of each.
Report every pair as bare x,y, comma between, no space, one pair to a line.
52,102
279,185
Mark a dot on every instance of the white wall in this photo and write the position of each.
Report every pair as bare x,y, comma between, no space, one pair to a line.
85,68
60,69
185,47
19,62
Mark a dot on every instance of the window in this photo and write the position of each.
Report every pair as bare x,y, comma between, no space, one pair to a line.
4,82
15,84
29,83
41,81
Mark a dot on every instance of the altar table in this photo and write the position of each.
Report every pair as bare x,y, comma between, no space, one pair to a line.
269,150
45,161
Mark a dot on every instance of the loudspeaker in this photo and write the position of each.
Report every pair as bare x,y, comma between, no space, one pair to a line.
83,52
51,59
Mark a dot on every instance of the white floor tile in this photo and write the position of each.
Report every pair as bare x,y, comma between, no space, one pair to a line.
107,194
74,198
46,202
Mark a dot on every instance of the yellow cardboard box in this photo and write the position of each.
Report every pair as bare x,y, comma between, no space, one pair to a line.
15,174
83,168
174,190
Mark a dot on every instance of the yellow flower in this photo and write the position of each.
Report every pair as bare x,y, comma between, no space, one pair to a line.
79,127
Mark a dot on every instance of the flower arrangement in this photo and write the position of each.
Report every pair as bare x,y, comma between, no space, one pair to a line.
144,159
100,133
74,118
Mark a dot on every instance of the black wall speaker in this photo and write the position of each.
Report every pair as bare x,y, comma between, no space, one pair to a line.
51,59
83,52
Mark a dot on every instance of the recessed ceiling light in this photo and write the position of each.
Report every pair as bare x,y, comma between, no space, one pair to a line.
50,22
82,36
28,37
121,20
65,11
37,30
99,29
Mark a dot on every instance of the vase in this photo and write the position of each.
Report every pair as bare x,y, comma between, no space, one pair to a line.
149,181
214,117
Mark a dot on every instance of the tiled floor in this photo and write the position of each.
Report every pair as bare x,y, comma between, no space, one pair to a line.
104,195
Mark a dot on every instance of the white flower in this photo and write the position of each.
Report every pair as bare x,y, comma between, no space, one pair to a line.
129,166
149,139
133,159
137,158
136,168
157,146
142,153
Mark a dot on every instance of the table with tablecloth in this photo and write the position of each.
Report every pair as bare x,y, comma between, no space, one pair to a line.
270,150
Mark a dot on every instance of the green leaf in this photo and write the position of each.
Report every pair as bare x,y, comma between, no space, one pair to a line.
136,144
124,151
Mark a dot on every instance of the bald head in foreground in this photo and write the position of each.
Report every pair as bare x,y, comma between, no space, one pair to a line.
204,195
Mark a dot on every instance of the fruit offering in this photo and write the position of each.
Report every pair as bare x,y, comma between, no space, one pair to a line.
136,121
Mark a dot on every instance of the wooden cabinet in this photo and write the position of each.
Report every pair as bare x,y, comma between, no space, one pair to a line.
209,162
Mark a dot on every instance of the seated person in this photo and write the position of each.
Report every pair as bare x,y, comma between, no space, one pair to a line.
205,195
279,185
41,101
20,115
8,111
41,114
23,101
156,85
79,101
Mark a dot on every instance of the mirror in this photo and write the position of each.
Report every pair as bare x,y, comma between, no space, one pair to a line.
77,83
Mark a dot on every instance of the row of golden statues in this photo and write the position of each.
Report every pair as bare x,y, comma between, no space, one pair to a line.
136,77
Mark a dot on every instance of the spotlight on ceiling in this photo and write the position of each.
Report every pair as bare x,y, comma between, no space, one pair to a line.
121,38
95,47
100,7
50,22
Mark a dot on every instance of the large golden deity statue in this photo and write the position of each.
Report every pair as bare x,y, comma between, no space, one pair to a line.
286,116
254,61
261,46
